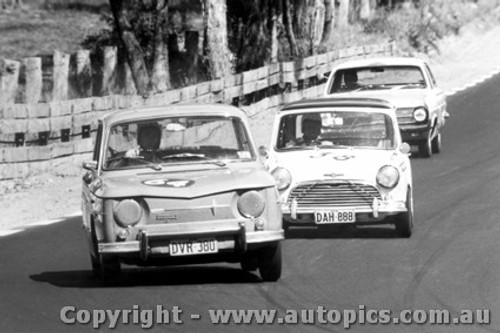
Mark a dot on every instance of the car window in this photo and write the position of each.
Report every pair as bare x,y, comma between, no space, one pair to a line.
433,80
333,129
178,140
377,77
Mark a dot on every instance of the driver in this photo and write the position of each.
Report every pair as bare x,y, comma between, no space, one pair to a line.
351,80
311,129
148,139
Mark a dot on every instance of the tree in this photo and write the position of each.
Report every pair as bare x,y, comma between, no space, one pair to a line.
255,27
329,16
216,47
147,54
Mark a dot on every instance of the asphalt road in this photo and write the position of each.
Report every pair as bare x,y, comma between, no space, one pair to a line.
451,262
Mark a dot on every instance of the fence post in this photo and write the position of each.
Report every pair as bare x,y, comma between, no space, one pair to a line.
83,73
110,60
9,77
60,76
33,74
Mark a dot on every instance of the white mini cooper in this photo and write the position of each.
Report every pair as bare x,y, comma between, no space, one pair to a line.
341,161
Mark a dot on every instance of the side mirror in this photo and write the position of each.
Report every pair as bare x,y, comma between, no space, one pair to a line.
404,148
90,165
264,152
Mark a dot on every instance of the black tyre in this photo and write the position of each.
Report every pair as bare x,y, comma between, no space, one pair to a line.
436,144
94,259
250,261
110,269
270,262
425,148
96,266
404,222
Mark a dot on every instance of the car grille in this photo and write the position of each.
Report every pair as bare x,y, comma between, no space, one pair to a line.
333,194
405,116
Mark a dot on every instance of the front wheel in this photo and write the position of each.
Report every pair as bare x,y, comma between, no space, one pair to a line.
436,144
425,147
250,261
404,222
110,269
270,263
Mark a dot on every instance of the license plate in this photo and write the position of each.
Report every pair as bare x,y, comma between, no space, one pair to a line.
193,246
334,216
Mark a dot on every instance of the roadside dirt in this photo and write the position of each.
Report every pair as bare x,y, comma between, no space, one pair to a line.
462,59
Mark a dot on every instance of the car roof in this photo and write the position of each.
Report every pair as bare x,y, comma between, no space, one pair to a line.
151,112
381,61
365,102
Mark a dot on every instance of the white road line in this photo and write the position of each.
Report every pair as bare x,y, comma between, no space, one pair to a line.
474,83
47,222
77,213
9,232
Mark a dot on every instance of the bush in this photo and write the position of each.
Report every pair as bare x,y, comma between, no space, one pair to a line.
419,28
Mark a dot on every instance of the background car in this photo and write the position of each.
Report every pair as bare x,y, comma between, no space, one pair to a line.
179,185
351,168
407,83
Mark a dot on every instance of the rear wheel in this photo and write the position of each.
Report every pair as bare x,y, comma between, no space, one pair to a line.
270,262
404,222
425,147
436,144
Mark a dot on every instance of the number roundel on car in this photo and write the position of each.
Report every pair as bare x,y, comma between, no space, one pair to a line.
168,182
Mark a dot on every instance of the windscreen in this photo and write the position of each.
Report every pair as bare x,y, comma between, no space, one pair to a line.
335,129
177,140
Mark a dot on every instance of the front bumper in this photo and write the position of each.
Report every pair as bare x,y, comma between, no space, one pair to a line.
414,133
377,213
153,240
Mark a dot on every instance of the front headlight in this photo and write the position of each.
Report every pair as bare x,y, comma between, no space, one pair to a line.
282,177
388,177
420,114
127,212
251,204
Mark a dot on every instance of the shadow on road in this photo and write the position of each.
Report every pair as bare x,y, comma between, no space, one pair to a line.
342,232
151,276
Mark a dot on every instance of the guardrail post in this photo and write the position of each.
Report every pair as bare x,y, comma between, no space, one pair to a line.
60,76
9,77
33,77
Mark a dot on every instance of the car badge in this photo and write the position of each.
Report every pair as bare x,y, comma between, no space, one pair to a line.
334,175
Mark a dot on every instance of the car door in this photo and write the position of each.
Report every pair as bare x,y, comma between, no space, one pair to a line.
91,170
439,97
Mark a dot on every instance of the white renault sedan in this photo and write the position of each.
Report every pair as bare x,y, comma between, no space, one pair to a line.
341,161
409,84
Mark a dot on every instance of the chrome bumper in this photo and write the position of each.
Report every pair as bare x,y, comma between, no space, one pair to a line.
230,234
378,209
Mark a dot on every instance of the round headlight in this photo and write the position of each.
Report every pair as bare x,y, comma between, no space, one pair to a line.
127,212
420,114
251,204
282,177
388,177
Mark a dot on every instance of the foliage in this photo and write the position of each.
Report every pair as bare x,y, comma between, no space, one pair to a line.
250,24
418,28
